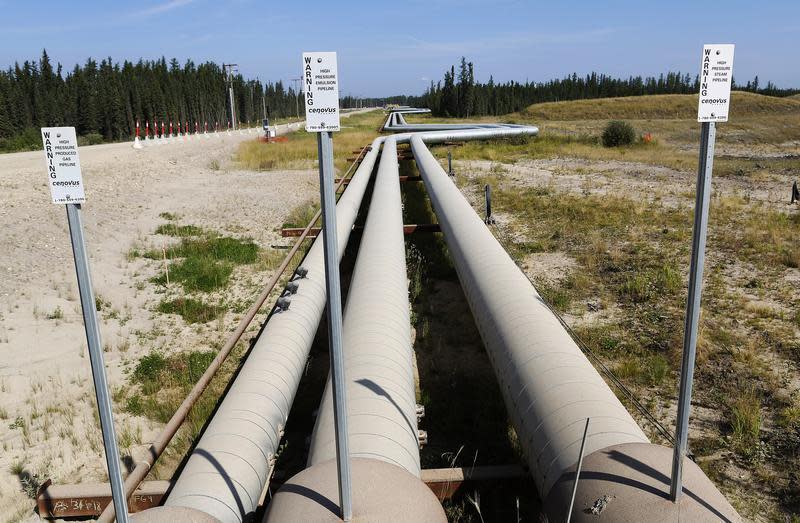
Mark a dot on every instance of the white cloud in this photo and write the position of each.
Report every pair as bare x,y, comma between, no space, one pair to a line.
507,41
166,6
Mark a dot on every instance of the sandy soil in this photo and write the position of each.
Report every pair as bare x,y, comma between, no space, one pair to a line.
669,186
48,421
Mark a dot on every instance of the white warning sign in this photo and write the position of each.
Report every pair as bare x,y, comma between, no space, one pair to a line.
63,164
321,86
716,77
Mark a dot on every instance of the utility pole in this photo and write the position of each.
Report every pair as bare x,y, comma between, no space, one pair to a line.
264,101
229,70
252,105
296,95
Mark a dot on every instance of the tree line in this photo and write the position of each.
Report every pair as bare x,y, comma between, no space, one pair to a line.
459,95
104,100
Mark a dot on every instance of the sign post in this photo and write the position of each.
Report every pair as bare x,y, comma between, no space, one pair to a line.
322,117
716,74
66,187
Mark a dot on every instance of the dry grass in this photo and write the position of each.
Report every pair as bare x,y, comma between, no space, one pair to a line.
300,152
572,129
666,106
745,420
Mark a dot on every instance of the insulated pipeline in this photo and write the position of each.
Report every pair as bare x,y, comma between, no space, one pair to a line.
378,362
230,466
397,123
548,385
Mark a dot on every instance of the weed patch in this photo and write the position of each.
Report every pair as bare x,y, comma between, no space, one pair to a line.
201,273
301,215
56,314
191,310
181,231
745,421
161,382
205,261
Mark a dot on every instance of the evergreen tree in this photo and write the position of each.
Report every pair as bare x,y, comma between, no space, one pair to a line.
109,98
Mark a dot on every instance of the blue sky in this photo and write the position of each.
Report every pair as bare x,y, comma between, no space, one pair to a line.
397,47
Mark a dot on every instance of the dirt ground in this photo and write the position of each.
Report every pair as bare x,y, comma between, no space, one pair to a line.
49,426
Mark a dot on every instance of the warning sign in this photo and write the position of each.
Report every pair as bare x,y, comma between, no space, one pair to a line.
321,86
716,75
63,164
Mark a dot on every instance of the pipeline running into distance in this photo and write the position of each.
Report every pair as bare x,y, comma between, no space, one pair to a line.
550,388
548,385
380,388
231,464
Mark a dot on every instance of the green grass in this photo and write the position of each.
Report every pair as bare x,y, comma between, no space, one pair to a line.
198,273
190,309
745,421
55,314
163,382
221,248
149,368
648,371
181,231
159,384
558,297
202,263
301,214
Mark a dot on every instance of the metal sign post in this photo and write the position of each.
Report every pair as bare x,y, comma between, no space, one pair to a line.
693,304
322,116
578,471
715,86
487,195
450,163
66,186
